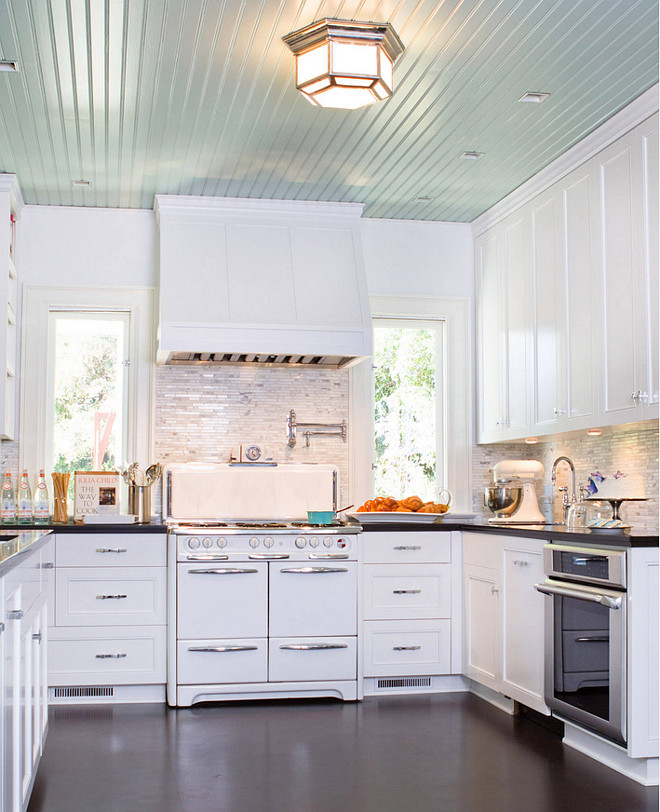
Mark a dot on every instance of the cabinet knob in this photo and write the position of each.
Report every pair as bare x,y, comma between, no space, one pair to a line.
494,590
559,411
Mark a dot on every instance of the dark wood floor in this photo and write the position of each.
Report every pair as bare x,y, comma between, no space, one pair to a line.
446,753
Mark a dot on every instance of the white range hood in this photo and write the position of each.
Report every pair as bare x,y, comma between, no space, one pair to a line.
261,281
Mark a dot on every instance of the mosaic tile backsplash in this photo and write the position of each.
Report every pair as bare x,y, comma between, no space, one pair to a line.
630,449
201,413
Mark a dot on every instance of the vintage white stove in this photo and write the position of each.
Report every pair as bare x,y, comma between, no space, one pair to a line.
260,607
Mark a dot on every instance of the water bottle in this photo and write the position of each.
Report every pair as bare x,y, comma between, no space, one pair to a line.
41,503
8,508
25,500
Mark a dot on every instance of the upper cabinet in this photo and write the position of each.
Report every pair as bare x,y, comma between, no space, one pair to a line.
567,292
11,204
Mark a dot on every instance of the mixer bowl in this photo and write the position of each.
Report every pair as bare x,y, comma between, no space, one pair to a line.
503,498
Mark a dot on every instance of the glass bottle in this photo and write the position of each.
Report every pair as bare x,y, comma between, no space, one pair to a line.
8,507
41,503
25,500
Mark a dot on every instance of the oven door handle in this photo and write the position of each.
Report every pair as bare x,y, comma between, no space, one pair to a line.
314,570
267,556
591,597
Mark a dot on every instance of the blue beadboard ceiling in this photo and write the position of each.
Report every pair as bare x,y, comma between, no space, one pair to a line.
197,97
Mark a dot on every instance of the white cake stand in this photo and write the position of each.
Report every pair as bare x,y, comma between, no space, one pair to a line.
616,503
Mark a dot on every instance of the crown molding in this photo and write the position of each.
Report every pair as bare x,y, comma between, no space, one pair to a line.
619,124
9,183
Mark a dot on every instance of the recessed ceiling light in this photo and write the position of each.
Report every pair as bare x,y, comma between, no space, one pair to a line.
470,155
81,183
9,65
423,199
534,97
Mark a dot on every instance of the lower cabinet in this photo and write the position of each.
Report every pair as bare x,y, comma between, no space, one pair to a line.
108,630
411,591
504,615
23,699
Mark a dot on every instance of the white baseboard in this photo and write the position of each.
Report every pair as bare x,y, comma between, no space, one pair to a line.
433,685
106,694
642,770
499,700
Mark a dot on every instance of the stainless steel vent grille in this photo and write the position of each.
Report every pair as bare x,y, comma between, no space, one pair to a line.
405,682
86,691
215,358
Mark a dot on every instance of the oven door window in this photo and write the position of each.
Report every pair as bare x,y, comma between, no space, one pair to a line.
582,656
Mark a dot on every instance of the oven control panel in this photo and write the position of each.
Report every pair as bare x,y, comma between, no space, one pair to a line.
300,546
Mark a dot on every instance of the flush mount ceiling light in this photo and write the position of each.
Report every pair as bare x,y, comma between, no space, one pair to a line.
423,199
594,432
531,440
534,97
81,182
8,65
471,156
343,63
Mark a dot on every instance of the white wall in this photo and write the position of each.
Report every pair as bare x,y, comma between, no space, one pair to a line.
75,246
85,247
418,258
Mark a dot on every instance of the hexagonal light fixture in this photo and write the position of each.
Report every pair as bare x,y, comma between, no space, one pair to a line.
343,63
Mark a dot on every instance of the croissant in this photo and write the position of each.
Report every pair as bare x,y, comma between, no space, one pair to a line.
412,502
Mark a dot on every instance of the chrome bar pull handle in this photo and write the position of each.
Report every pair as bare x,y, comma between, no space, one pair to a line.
314,570
328,555
110,597
406,648
268,556
406,591
111,550
312,646
211,557
407,547
597,638
222,649
15,614
110,656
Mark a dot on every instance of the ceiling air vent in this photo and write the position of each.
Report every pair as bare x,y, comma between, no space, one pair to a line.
83,691
404,682
263,359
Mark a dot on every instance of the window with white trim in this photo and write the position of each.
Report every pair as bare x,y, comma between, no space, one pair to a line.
408,408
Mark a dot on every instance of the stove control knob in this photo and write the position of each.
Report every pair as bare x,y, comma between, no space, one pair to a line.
327,541
207,542
268,542
300,542
222,542
193,543
254,542
313,542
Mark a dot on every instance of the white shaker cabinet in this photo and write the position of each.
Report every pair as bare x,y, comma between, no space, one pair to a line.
504,616
504,315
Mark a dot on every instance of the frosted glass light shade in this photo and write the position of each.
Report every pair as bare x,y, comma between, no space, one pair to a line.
345,64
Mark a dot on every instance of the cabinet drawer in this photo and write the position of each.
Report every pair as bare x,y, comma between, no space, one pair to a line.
116,550
113,596
209,662
309,659
106,656
482,549
400,591
407,647
407,548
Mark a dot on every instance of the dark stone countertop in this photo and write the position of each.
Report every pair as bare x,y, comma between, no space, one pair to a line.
635,537
16,544
71,527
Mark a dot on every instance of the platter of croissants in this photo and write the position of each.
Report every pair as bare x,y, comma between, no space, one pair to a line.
408,509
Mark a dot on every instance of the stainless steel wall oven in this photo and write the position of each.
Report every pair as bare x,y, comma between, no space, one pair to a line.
585,665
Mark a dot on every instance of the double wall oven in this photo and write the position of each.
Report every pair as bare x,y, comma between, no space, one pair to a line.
585,636
259,607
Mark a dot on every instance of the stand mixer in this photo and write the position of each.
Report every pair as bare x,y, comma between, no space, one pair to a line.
512,496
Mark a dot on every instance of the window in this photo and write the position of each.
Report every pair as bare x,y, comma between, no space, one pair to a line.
448,320
408,408
87,366
88,399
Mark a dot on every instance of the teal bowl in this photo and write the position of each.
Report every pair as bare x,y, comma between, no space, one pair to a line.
320,516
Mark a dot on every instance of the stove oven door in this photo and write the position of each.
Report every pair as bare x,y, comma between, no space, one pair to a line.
313,600
222,600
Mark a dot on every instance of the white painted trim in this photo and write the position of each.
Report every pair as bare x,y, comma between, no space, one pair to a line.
642,770
493,697
241,205
37,303
9,183
456,314
619,124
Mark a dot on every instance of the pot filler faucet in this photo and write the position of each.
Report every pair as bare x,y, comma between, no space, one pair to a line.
566,502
